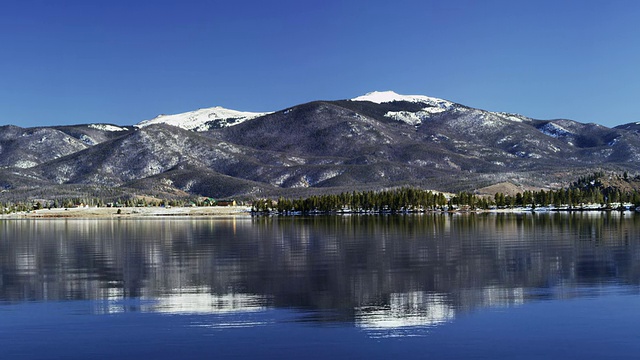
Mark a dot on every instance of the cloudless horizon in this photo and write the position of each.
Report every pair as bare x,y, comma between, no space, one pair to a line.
121,62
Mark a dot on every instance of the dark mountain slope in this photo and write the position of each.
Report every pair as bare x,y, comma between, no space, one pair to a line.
143,153
25,148
313,129
93,134
198,181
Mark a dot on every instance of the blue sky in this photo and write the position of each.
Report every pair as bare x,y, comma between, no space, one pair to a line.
70,62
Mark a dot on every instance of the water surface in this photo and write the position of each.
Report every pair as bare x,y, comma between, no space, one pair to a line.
438,286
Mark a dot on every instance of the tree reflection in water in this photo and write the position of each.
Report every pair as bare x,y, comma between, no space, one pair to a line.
376,272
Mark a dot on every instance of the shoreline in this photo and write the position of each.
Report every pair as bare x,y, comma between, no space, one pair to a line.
130,212
221,211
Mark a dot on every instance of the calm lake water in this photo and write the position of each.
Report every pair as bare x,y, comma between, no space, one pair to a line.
468,286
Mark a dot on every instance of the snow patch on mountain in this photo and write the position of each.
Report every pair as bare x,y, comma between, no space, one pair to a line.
329,174
380,97
413,118
435,106
554,130
512,117
203,119
25,164
107,127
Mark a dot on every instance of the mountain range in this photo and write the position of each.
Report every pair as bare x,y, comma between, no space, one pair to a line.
375,141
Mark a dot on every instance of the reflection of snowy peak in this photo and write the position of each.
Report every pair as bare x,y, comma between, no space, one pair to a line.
204,119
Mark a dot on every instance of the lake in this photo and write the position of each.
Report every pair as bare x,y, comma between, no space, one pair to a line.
441,286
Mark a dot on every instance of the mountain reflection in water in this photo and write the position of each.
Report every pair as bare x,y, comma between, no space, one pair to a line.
376,272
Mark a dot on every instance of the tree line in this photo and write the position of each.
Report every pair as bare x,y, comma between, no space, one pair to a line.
377,201
606,191
8,207
586,190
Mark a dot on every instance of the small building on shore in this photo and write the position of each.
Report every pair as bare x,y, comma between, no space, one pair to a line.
228,202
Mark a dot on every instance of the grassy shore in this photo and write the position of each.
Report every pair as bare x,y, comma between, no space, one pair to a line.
107,212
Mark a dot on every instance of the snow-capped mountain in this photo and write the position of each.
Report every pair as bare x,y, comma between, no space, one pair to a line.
373,141
203,119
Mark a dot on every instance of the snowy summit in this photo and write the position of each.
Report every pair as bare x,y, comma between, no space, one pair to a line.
433,105
380,97
203,119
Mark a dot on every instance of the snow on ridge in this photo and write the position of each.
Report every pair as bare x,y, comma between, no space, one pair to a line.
405,116
435,105
554,130
380,97
414,118
200,120
107,127
25,164
512,117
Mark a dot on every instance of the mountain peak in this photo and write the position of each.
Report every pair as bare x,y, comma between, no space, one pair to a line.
203,119
380,97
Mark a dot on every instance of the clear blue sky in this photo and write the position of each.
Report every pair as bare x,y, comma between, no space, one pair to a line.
71,62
